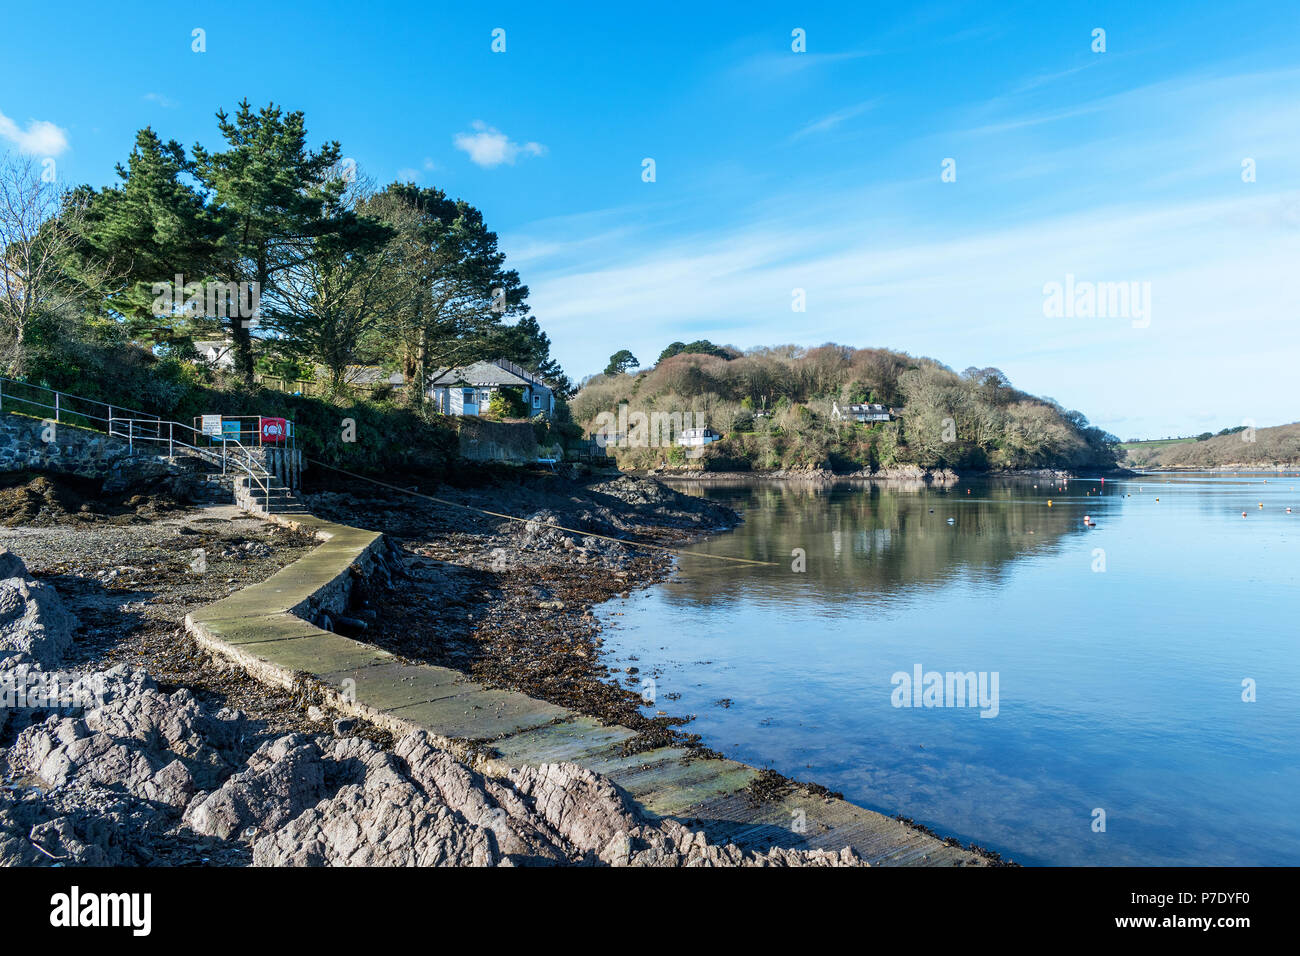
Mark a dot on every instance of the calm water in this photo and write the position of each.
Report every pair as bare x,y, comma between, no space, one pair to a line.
1118,689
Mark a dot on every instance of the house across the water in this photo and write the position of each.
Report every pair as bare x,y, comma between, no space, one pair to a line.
863,412
694,437
468,389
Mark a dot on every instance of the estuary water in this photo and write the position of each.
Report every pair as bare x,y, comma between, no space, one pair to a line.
1125,692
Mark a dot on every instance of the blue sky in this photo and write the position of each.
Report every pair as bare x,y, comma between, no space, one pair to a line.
778,170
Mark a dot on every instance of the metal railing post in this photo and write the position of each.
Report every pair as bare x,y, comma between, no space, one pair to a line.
130,436
56,407
170,453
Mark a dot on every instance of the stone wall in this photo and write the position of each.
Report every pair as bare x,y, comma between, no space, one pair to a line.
71,450
484,440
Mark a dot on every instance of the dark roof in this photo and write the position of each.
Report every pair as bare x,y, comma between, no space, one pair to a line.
497,372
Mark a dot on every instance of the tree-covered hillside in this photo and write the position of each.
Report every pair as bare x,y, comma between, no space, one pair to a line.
774,408
1240,446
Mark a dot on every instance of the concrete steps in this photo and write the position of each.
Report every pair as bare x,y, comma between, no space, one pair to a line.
277,499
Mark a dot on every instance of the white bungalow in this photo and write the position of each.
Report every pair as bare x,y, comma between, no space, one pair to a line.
466,390
863,412
216,353
695,437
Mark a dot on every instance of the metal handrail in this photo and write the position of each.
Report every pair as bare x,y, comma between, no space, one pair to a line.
256,473
141,426
64,404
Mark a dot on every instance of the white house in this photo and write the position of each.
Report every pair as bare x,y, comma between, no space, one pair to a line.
217,353
695,437
863,412
466,390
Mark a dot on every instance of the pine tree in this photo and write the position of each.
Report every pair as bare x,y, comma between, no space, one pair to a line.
270,193
153,226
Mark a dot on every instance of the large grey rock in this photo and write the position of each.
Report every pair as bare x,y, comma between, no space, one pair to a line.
137,768
283,778
33,619
383,818
33,833
155,746
419,806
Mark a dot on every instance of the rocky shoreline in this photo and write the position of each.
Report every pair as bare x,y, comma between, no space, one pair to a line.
913,476
1274,468
185,761
515,598
909,474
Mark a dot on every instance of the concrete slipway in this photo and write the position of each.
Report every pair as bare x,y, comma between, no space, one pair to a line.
267,629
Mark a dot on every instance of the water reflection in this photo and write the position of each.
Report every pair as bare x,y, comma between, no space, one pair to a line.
1121,650
864,539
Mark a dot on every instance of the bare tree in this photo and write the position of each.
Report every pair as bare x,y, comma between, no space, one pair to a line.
39,226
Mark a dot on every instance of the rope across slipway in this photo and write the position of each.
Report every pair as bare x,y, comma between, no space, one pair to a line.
558,527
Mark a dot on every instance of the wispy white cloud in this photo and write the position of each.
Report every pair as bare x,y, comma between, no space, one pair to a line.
1026,120
1046,79
832,120
40,138
412,175
487,146
774,68
166,102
